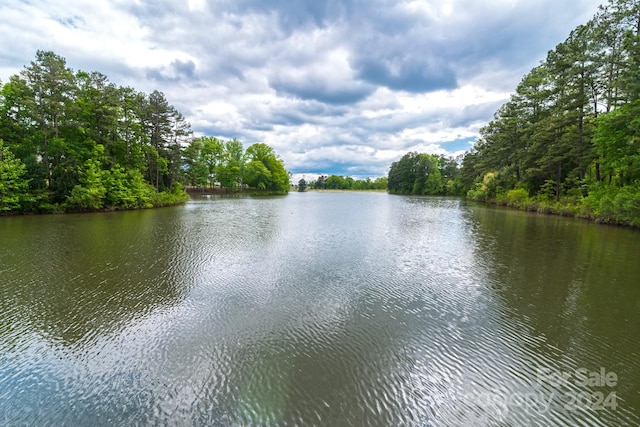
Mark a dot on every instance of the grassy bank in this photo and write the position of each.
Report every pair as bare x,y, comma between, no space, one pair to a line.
602,205
99,200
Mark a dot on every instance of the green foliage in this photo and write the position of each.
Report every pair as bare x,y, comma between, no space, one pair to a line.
126,189
337,182
89,194
617,140
548,190
418,173
570,134
485,190
626,205
478,192
209,160
616,206
257,175
280,179
517,198
202,158
320,183
302,185
75,141
117,188
173,196
13,187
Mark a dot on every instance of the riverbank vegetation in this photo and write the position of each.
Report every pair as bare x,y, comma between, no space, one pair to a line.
426,174
73,141
339,182
210,161
568,140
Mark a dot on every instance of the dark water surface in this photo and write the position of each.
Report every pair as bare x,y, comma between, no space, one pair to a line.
318,309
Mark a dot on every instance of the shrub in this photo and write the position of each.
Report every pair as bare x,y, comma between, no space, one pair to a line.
175,196
478,193
517,198
626,205
90,193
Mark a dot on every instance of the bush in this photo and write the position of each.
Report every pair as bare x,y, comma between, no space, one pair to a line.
626,205
478,193
13,186
517,198
86,198
127,189
90,193
611,205
175,196
50,208
548,190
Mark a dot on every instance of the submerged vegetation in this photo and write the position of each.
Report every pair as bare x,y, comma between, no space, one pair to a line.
73,141
568,140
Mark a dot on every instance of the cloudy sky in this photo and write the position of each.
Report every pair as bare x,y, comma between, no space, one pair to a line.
335,87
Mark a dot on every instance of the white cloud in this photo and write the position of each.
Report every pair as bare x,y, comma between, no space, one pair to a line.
197,5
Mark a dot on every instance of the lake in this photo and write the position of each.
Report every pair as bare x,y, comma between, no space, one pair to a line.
318,308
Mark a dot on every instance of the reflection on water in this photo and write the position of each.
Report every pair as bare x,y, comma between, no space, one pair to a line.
315,308
574,285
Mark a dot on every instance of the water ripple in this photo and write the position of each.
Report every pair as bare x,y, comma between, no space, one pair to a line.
315,309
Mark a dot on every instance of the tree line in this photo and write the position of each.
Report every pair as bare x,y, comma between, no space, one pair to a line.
210,161
339,182
568,140
75,141
425,174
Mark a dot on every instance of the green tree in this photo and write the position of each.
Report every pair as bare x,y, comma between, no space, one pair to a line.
402,174
570,132
321,182
157,126
90,193
13,186
335,182
423,173
181,136
230,169
381,183
258,176
130,129
74,130
202,157
279,177
618,143
97,104
52,86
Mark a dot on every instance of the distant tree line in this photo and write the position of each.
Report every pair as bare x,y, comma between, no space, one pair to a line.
568,140
75,141
425,174
338,182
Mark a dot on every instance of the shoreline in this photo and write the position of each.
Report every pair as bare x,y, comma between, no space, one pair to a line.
562,210
555,208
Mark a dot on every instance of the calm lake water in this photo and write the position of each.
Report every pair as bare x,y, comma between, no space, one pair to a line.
330,309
